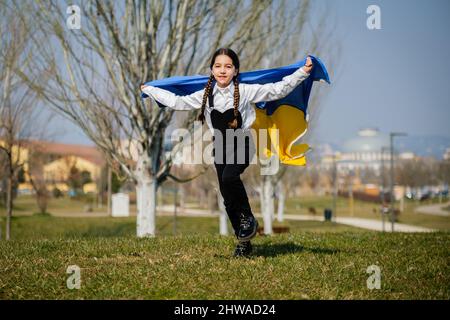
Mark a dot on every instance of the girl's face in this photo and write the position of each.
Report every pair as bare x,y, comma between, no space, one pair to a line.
223,70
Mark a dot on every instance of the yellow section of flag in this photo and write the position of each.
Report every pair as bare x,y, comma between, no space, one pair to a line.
290,124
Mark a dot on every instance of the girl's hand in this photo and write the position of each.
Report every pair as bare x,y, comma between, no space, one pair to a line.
308,65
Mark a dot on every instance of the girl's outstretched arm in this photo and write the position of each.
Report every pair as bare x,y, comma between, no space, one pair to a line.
169,99
277,90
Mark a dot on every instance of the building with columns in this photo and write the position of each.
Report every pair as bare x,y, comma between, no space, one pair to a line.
361,159
365,151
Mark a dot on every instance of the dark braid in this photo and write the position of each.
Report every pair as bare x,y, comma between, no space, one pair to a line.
208,87
233,124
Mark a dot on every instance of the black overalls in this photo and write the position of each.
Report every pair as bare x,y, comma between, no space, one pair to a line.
231,158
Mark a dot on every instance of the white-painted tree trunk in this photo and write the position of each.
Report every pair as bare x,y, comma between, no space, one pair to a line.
281,198
223,226
146,207
223,223
146,188
267,203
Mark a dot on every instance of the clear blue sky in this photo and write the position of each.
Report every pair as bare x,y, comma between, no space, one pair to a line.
395,79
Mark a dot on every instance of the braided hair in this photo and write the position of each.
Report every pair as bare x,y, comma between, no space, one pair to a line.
208,89
234,123
230,53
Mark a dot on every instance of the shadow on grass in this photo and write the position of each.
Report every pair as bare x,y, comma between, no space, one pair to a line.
273,250
120,230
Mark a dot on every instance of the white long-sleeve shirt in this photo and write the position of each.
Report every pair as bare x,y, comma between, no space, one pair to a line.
223,97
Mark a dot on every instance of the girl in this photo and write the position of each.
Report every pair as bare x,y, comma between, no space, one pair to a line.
226,106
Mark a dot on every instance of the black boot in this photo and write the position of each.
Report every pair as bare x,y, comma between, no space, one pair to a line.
248,228
243,249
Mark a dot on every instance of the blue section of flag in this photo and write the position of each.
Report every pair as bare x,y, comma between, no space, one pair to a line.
185,85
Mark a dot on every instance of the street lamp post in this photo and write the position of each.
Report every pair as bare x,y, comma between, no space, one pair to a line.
383,183
391,191
334,186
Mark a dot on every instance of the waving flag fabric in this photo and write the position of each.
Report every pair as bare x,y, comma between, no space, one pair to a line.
288,115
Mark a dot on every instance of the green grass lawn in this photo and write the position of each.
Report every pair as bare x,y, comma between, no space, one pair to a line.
26,205
316,260
49,227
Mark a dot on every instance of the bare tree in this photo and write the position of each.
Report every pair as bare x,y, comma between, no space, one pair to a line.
17,112
37,180
444,171
36,159
3,181
419,172
95,72
412,173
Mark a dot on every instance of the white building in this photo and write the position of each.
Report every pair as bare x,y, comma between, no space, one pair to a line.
447,154
366,150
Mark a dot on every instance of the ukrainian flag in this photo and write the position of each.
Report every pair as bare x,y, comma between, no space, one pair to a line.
287,115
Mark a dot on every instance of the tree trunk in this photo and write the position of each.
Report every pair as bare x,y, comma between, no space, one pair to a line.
281,198
109,197
42,200
146,206
223,226
267,205
9,204
100,192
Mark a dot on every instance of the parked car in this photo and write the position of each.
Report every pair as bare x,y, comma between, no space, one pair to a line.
425,196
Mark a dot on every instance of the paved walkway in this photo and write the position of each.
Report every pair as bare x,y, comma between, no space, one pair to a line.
434,209
370,224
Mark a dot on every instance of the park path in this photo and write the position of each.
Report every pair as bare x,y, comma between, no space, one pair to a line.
364,223
434,209
370,224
